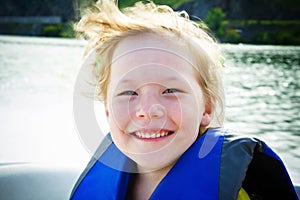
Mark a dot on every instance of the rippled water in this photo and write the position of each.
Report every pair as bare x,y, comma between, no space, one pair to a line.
37,77
263,97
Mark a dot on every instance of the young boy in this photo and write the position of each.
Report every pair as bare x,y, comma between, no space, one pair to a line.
160,82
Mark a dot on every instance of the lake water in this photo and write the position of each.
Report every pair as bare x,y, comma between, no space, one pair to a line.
37,77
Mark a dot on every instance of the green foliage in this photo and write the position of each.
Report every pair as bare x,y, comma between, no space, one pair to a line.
262,22
280,37
58,30
232,36
51,30
279,32
127,3
67,30
215,19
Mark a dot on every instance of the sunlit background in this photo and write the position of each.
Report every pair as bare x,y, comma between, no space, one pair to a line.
37,75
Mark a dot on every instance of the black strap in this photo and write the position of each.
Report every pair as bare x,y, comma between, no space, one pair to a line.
267,179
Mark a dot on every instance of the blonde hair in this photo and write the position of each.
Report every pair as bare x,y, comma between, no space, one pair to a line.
106,25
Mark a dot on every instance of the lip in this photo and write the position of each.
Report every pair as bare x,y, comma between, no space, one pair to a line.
150,135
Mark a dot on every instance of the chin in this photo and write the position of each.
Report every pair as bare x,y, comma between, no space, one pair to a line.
152,162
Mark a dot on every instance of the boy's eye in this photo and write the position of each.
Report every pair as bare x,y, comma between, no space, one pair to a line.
128,93
170,90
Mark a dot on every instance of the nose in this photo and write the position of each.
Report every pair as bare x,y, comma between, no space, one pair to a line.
149,106
150,112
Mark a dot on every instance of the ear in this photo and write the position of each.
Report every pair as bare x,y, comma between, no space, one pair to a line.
106,110
207,115
106,113
206,119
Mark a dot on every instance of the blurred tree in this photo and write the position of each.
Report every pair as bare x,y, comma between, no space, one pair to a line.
214,20
80,5
235,9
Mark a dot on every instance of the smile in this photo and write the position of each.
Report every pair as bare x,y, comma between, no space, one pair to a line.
146,135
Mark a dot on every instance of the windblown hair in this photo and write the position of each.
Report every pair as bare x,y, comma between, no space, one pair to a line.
105,25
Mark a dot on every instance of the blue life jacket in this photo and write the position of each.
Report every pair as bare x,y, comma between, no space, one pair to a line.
216,166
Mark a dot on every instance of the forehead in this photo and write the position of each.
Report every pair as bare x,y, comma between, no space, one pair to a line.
149,43
152,54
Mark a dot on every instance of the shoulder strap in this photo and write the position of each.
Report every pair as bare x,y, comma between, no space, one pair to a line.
251,164
107,141
236,155
106,176
267,177
196,174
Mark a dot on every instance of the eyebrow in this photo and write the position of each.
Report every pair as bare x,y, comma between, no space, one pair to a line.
125,81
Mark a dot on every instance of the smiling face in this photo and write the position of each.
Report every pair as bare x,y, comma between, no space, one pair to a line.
154,103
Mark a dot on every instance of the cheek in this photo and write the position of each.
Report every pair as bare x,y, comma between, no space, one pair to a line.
192,112
174,111
184,111
119,115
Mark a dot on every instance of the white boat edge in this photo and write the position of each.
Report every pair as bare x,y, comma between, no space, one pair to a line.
30,181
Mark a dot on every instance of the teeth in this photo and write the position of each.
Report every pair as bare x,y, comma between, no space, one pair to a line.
151,135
